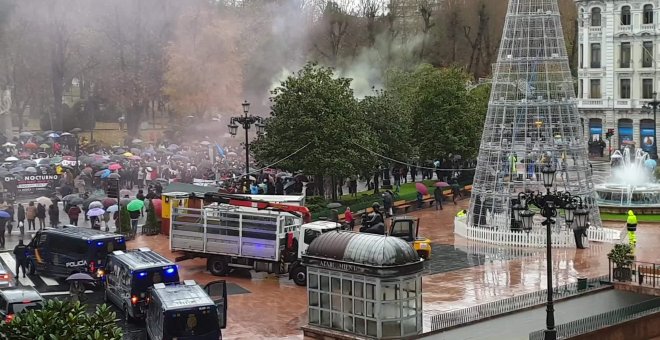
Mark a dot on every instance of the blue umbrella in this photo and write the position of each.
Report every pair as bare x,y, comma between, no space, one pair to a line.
4,214
106,173
650,164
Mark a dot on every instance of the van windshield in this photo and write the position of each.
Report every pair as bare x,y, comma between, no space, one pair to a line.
191,322
18,307
99,249
145,279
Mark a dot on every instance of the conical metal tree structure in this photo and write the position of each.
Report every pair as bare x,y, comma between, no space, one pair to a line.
532,119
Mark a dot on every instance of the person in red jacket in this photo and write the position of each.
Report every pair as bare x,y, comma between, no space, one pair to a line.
348,217
74,213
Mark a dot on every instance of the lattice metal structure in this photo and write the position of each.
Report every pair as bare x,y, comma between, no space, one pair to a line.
532,119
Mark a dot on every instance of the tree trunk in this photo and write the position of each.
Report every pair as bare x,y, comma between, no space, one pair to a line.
376,178
320,185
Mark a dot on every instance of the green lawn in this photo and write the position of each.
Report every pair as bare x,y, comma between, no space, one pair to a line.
623,217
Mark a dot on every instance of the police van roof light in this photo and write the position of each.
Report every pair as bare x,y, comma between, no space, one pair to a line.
169,270
159,286
142,274
189,282
99,243
118,252
144,249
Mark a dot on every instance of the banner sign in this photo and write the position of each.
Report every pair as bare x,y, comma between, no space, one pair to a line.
31,184
203,182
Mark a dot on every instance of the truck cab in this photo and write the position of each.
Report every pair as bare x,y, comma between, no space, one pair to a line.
308,232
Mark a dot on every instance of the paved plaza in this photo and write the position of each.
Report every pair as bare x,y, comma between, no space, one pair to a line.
461,274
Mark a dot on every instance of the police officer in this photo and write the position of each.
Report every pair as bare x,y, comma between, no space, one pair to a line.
21,258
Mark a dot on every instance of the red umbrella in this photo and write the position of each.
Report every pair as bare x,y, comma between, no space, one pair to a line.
422,188
158,206
108,202
31,146
441,184
114,166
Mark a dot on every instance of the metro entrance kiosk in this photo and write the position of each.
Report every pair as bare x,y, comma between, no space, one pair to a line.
363,286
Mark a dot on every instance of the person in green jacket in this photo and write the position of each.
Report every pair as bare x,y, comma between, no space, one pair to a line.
631,225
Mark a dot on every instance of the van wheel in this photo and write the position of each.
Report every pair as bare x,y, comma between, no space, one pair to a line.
299,275
219,266
31,269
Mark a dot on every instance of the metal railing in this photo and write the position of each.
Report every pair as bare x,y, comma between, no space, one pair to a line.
603,320
640,273
508,305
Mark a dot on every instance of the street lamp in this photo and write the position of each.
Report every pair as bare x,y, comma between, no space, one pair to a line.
75,132
647,108
548,203
246,121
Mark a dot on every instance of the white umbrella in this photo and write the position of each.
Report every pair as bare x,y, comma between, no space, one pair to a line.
11,159
8,145
205,143
137,141
45,201
53,135
96,204
112,208
65,134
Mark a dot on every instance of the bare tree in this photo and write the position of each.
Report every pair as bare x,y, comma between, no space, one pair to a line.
426,10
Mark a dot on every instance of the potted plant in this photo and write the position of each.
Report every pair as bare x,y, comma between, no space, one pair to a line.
623,258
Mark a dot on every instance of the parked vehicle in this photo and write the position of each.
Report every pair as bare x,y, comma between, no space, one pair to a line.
62,251
17,299
407,228
5,278
187,311
130,274
232,236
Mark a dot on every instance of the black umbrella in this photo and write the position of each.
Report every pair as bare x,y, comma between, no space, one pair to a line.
66,190
301,178
82,277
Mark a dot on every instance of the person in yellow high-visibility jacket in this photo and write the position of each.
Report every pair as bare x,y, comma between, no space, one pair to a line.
461,213
631,225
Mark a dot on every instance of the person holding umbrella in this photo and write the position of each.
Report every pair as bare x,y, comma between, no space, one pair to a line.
41,215
54,215
74,213
31,216
21,218
437,195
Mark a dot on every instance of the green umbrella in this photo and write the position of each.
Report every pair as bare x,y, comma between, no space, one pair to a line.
44,146
56,160
135,205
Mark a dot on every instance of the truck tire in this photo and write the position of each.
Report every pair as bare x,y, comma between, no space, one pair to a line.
219,265
299,275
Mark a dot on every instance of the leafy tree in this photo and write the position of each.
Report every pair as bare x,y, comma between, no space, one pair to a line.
62,320
151,225
313,106
446,116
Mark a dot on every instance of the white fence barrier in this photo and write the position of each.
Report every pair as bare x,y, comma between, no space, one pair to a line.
562,238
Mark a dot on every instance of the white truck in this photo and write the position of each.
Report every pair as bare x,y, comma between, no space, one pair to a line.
230,236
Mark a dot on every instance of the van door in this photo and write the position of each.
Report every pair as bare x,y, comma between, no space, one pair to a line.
39,254
217,290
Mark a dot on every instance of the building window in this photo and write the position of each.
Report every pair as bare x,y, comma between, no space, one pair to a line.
624,88
624,61
595,89
580,88
648,14
625,16
647,88
647,54
595,16
595,55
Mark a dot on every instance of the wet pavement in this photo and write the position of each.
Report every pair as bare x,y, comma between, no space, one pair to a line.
461,274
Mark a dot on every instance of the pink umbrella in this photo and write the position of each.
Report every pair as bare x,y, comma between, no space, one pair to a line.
114,166
441,184
135,158
422,188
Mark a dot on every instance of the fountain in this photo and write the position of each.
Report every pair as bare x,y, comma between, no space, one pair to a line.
631,184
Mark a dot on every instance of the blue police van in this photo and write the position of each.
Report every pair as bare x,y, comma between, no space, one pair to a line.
62,251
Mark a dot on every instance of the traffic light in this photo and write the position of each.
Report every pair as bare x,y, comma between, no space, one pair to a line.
609,133
113,188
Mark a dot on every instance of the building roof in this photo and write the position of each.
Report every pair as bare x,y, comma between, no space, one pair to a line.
81,233
363,249
142,258
180,296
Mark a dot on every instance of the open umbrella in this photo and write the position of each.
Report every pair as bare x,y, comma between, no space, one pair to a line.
82,277
108,202
112,208
96,204
45,201
31,170
288,184
135,205
65,134
421,188
125,201
31,145
25,134
180,158
120,151
231,153
127,154
114,166
102,173
44,146
205,143
4,214
135,151
301,178
441,184
95,212
73,199
173,147
53,135
11,159
334,205
17,169
135,158
137,141
125,192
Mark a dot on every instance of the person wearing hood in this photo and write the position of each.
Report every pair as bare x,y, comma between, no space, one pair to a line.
631,225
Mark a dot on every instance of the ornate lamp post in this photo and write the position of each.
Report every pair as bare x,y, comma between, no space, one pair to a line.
246,121
647,108
548,203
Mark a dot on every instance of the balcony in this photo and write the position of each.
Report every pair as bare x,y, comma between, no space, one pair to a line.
647,27
595,30
590,103
624,29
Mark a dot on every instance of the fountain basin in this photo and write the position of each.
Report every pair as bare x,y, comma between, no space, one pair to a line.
619,198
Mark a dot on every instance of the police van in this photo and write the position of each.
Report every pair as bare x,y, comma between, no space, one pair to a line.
187,311
62,251
130,274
